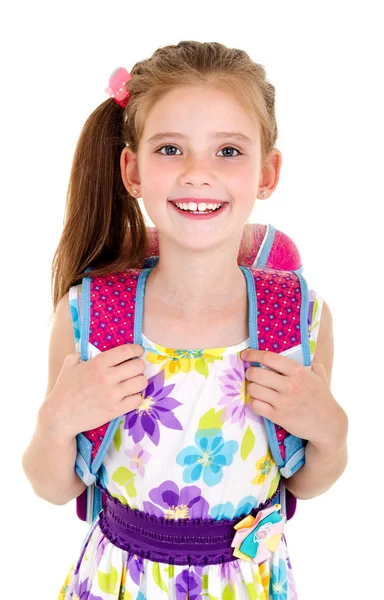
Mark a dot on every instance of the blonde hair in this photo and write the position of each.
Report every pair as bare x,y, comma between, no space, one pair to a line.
104,227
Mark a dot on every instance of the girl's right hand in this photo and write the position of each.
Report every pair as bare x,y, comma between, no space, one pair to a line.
90,393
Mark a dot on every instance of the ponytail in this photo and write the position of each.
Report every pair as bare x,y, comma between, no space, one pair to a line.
104,226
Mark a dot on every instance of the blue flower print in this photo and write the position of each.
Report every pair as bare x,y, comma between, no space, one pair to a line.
208,458
278,589
228,511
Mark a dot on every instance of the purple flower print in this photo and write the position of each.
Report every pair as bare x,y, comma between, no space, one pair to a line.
83,593
230,570
135,567
188,585
138,458
310,310
156,408
100,549
236,398
187,503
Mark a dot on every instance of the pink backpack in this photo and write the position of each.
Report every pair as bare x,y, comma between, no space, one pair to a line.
111,313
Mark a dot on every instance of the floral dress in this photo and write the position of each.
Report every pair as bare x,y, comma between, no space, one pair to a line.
192,449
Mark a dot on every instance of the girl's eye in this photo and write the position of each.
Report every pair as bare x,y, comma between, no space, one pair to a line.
171,146
167,146
230,148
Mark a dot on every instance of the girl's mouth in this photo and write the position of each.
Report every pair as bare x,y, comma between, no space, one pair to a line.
208,213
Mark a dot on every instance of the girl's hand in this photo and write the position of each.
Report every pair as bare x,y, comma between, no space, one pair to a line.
88,394
295,397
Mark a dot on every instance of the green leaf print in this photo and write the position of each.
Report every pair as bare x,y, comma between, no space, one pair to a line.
312,346
315,307
171,571
202,367
211,419
252,593
108,581
274,484
125,477
121,498
157,577
247,443
204,582
117,439
229,592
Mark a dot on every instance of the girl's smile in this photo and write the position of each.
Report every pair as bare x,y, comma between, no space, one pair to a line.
197,214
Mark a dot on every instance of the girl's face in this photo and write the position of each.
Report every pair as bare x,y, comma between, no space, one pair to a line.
197,157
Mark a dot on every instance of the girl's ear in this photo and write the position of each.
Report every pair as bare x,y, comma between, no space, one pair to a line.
129,170
270,173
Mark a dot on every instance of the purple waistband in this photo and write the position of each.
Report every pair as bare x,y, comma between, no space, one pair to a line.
180,542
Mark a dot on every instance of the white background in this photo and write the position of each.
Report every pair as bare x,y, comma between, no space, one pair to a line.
325,60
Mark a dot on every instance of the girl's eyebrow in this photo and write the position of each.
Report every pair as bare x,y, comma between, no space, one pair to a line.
221,134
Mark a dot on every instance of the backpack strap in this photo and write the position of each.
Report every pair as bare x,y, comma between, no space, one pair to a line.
284,329
98,332
265,247
277,251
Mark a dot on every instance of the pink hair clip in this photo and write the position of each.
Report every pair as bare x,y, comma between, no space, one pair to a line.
116,84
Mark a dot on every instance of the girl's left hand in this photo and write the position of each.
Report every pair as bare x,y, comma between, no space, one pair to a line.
295,397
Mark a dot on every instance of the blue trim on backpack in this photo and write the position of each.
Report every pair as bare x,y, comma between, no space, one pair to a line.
139,305
150,262
294,446
84,446
252,307
304,319
254,343
84,467
263,258
97,502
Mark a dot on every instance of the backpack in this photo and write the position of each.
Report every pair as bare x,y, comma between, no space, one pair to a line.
98,325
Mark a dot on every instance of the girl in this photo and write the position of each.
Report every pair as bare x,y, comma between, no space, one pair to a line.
192,131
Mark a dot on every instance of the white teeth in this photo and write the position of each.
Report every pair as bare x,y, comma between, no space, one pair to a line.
193,206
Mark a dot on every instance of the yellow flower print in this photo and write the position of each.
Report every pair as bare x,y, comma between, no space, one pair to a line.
66,583
263,466
262,577
176,361
123,593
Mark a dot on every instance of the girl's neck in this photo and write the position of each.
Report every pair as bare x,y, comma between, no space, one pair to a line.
210,280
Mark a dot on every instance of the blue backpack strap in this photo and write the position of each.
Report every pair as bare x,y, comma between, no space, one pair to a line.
294,446
265,248
89,502
88,467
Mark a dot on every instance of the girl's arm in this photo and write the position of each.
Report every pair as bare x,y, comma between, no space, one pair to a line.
324,461
299,399
49,460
